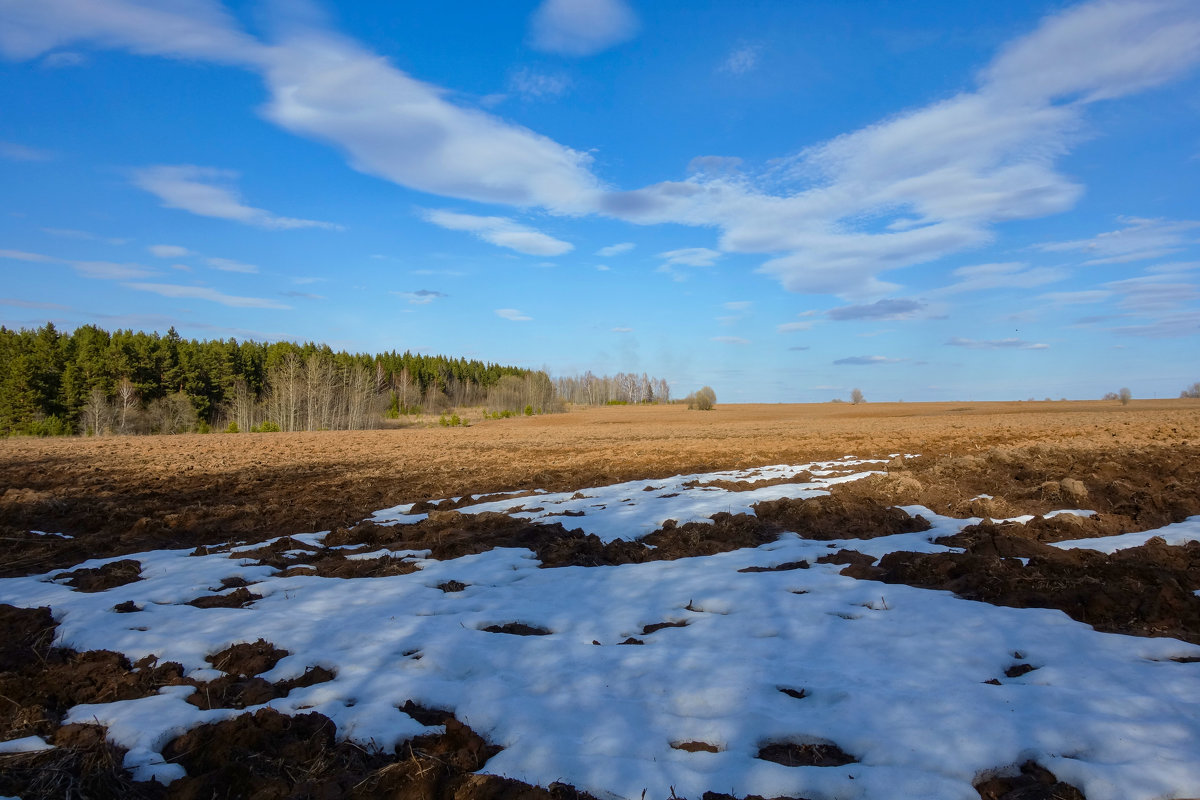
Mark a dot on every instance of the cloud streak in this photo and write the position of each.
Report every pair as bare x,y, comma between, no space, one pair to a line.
501,231
210,192
204,293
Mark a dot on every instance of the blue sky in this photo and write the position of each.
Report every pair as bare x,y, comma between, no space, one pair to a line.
781,200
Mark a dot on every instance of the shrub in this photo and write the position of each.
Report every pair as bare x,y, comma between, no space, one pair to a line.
528,410
1192,392
1125,395
232,428
266,427
856,397
703,399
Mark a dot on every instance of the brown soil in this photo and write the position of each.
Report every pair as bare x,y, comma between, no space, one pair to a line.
120,495
1137,466
1034,782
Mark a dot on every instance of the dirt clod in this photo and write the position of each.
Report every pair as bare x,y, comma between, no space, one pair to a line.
517,629
1034,782
108,576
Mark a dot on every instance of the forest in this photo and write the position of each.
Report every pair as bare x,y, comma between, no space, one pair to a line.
93,381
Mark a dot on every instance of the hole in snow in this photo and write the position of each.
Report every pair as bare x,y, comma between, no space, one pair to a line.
819,753
1017,670
696,747
517,629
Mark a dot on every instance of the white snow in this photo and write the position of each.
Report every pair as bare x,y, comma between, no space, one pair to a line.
894,675
1176,534
28,744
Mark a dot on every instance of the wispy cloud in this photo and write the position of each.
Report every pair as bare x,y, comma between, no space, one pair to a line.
615,249
1006,275
868,361
995,344
21,152
581,27
71,233
512,314
229,265
16,303
691,257
1081,297
168,251
532,84
64,59
421,297
304,295
1139,240
109,271
742,59
892,309
21,255
501,231
730,339
205,293
622,330
210,192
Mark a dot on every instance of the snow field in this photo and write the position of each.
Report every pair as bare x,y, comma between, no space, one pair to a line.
895,676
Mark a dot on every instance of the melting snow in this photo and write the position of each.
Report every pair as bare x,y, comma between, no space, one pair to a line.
893,675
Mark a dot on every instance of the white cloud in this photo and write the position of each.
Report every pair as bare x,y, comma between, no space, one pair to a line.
622,330
730,339
512,314
1154,294
868,361
229,265
168,251
891,309
944,174
995,344
1082,297
398,128
179,28
691,257
63,59
204,293
1005,275
738,305
421,297
209,192
603,267
533,85
1140,240
581,27
615,249
108,271
20,152
501,231
21,255
743,59
790,327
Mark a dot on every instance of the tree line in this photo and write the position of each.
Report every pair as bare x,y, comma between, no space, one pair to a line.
91,380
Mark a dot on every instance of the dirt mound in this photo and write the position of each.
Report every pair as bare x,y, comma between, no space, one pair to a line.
1144,591
1034,782
108,576
82,765
838,516
238,598
267,754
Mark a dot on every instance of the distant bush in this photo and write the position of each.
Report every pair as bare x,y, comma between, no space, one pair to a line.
1192,392
266,427
1124,395
453,421
617,403
856,397
232,428
702,399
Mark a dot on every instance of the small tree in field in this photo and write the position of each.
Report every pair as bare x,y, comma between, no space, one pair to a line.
703,399
1192,392
1124,395
856,397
